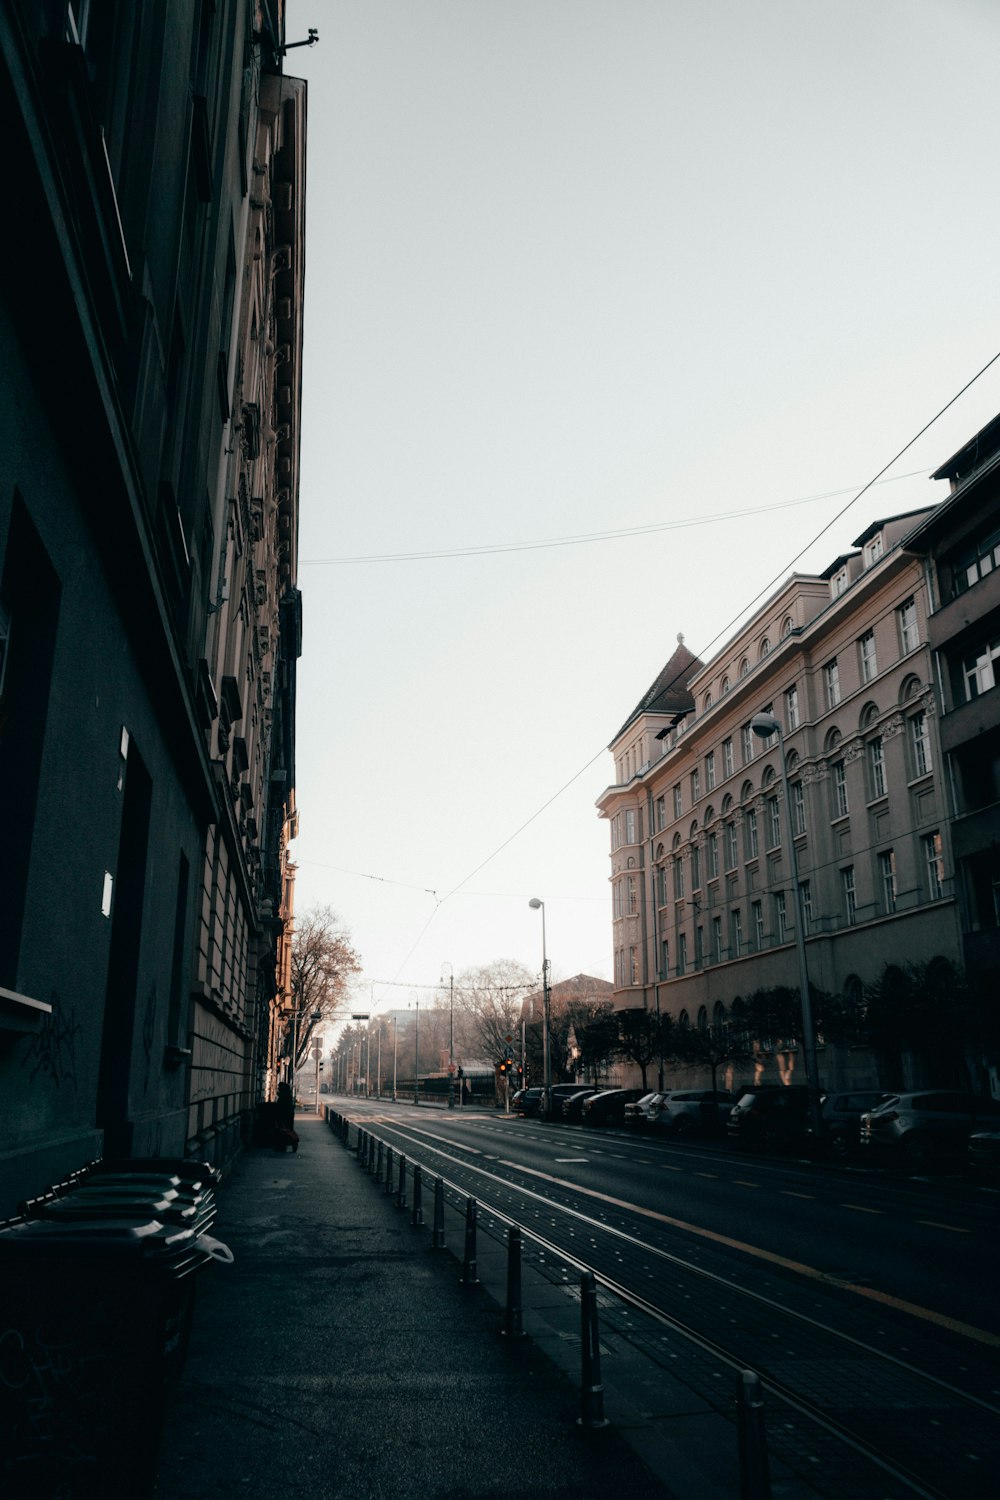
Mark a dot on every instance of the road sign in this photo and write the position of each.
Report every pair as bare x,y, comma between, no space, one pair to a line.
355,1016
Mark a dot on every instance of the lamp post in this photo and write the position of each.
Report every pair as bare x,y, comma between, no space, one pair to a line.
451,1033
395,1030
416,1058
537,905
765,726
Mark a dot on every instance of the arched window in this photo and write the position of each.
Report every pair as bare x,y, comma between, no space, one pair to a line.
787,626
769,776
765,647
727,804
702,1018
684,1019
868,716
726,684
911,686
718,1014
693,830
709,815
832,740
746,791
792,761
660,851
706,703
744,667
676,843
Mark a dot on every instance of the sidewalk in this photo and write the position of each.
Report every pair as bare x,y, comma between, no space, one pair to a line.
341,1356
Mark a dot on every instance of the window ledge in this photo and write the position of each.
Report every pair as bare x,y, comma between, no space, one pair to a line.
21,1012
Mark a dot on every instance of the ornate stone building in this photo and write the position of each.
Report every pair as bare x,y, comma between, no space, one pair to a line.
703,904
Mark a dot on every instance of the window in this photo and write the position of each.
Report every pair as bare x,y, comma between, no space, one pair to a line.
726,684
773,823
805,895
664,959
757,910
873,550
713,855
746,738
840,807
630,825
980,671
731,851
710,771
909,635
682,952
838,582
695,868
934,860
887,876
770,740
695,785
750,844
765,647
716,940
744,667
792,707
831,675
781,915
866,651
661,885
727,757
699,947
633,904
850,899
678,878
976,563
921,741
633,966
661,812
735,932
678,802
619,968
798,807
876,760
618,898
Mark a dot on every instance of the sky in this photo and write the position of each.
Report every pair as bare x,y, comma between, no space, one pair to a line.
612,307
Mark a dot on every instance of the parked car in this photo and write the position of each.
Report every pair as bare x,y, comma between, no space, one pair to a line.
526,1101
608,1108
641,1112
984,1152
840,1118
551,1107
572,1108
687,1112
919,1126
770,1116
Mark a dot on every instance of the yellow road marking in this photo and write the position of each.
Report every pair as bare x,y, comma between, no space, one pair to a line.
968,1330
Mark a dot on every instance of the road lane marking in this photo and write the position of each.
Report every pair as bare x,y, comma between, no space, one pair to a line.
940,1320
562,1159
953,1228
859,1208
741,1182
788,1193
714,1175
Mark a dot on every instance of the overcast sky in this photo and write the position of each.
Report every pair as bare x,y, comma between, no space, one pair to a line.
576,267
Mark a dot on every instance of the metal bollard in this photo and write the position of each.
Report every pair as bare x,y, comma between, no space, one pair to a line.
378,1164
388,1171
437,1233
469,1275
371,1155
591,1387
512,1319
361,1146
417,1217
401,1189
346,1132
755,1474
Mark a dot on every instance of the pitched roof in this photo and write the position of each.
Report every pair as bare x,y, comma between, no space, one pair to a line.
669,694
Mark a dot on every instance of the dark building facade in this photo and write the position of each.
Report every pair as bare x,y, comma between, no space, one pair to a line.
961,544
150,350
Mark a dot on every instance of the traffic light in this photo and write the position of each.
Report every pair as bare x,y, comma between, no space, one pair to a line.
503,1065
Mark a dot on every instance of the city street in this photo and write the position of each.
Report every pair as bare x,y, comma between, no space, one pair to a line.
846,1287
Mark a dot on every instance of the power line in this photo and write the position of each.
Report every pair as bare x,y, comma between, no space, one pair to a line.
490,548
756,598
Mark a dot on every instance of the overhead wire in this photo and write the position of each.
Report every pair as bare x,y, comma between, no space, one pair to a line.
725,630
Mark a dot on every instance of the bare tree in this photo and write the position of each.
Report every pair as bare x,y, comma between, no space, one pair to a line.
491,996
323,961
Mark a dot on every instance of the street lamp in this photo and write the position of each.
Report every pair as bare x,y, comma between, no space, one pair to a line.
766,726
537,905
451,1033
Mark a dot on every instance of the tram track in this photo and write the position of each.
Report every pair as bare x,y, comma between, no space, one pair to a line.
845,1387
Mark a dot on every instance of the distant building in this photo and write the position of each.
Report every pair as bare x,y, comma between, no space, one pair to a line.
150,355
703,908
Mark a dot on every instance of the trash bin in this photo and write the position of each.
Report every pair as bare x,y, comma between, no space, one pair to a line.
96,1302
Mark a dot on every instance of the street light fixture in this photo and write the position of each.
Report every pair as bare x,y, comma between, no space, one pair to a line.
766,726
537,905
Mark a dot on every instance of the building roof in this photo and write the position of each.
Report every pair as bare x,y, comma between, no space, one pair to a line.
903,515
976,451
669,694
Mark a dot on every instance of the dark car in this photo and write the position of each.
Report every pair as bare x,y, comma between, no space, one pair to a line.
687,1112
572,1108
551,1107
984,1152
526,1101
608,1108
918,1126
840,1118
770,1117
